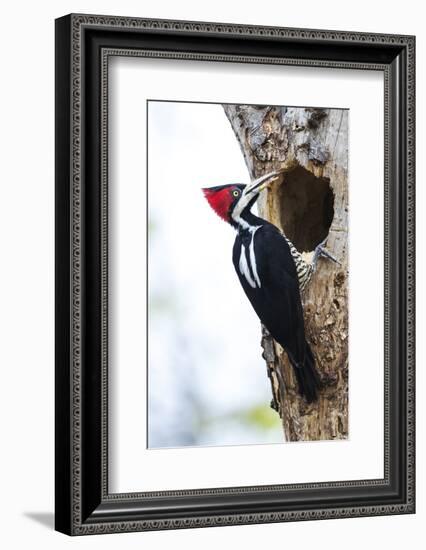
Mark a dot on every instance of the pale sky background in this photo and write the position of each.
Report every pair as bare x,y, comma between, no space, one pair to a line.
207,381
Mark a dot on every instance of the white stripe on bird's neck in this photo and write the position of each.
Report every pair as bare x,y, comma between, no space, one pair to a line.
239,209
249,193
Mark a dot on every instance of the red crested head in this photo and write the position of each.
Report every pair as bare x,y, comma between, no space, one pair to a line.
223,199
233,202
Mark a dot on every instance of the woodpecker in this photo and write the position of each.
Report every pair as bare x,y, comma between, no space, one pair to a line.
272,273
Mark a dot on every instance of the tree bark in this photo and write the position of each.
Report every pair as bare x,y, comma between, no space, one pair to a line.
309,203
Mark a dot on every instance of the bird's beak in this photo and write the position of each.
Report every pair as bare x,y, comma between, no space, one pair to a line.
267,184
263,182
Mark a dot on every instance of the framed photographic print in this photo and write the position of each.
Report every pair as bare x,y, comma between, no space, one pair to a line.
234,274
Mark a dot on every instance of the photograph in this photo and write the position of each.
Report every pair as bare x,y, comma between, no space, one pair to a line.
234,270
210,299
247,274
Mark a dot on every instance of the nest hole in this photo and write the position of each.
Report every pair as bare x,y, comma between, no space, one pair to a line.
306,208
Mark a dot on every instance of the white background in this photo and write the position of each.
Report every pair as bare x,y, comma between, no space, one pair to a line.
133,80
26,219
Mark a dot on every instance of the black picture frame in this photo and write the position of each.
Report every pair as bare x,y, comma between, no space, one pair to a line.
83,45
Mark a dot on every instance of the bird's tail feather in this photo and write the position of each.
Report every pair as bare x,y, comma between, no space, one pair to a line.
307,376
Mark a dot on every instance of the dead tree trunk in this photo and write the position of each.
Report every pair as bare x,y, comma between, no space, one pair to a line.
309,204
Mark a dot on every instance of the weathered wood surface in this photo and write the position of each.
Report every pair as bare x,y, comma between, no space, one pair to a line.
310,203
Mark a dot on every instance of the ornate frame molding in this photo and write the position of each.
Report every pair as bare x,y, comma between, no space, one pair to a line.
85,507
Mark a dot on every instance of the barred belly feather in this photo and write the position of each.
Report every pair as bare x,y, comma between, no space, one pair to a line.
303,268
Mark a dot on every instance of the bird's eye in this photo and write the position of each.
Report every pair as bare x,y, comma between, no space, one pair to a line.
235,193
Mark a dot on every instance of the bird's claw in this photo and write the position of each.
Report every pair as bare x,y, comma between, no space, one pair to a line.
320,250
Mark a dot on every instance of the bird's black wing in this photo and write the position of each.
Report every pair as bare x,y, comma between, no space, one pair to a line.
277,300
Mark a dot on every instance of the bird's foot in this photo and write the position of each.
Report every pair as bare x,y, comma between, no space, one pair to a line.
320,250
